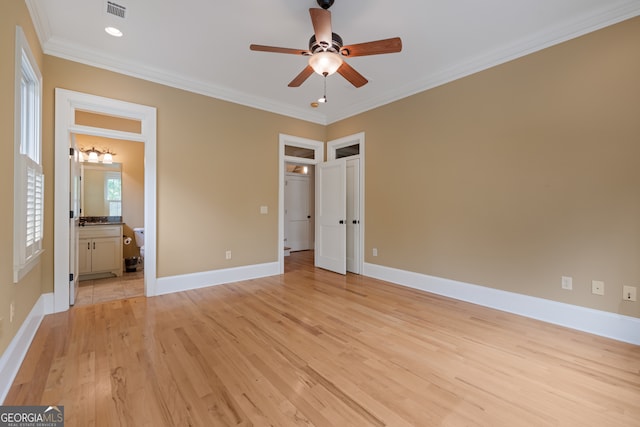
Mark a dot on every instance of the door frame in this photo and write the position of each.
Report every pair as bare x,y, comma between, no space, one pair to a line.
318,157
66,104
332,147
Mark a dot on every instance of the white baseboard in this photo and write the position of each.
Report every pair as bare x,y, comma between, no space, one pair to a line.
185,282
602,323
13,356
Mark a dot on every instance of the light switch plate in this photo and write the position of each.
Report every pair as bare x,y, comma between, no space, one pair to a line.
629,293
597,287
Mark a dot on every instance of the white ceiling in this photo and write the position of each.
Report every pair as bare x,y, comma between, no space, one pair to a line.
203,45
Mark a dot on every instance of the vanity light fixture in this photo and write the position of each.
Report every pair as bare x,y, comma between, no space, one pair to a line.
92,155
107,158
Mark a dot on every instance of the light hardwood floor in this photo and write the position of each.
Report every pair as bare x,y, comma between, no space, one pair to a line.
312,348
97,291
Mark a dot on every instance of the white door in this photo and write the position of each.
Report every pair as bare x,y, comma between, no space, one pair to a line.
353,215
331,215
74,219
351,149
297,212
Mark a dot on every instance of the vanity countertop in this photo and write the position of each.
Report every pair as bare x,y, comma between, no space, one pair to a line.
100,220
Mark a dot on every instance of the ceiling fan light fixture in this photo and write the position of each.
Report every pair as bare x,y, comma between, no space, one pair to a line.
325,63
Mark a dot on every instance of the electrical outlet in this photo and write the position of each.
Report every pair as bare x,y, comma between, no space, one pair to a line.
567,283
228,254
375,251
12,311
597,287
629,293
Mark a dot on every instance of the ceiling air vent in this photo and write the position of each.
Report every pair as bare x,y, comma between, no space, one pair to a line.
116,9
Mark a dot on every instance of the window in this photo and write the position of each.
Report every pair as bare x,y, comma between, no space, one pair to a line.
28,220
113,193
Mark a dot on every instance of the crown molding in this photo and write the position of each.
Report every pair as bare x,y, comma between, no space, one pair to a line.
520,48
76,53
579,26
40,21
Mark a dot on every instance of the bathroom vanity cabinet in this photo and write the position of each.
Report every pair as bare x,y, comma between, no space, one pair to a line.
100,250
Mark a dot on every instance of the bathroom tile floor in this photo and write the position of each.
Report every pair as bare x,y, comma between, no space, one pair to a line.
113,288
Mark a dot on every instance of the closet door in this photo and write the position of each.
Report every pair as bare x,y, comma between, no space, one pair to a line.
331,216
353,215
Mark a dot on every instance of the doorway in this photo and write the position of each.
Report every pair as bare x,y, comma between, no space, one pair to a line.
67,106
350,151
301,152
111,188
299,229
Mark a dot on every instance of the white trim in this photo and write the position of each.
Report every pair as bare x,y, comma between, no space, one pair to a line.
40,20
26,257
295,141
186,282
610,325
106,133
13,356
66,102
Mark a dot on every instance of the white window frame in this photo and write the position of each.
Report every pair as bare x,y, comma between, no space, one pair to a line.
28,197
110,202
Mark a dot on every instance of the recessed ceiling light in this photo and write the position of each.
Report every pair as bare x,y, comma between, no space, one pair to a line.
113,31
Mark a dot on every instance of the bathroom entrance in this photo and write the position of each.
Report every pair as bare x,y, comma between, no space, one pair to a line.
79,114
111,216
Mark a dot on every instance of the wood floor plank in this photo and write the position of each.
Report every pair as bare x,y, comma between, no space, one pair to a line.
312,348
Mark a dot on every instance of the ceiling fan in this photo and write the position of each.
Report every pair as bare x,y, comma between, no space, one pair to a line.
326,49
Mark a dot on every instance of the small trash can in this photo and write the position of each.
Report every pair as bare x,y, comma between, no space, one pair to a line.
130,264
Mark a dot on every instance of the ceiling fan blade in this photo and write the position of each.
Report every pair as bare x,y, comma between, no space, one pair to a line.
373,48
300,78
354,77
261,48
321,20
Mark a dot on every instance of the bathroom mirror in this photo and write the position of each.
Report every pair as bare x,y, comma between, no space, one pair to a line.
101,189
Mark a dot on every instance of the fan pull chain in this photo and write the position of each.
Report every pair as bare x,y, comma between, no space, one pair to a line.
324,97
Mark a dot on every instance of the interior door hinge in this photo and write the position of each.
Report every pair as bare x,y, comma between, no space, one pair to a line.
70,214
71,151
71,277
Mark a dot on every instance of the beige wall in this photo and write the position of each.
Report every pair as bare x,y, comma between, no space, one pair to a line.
25,293
509,178
131,156
515,176
217,164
